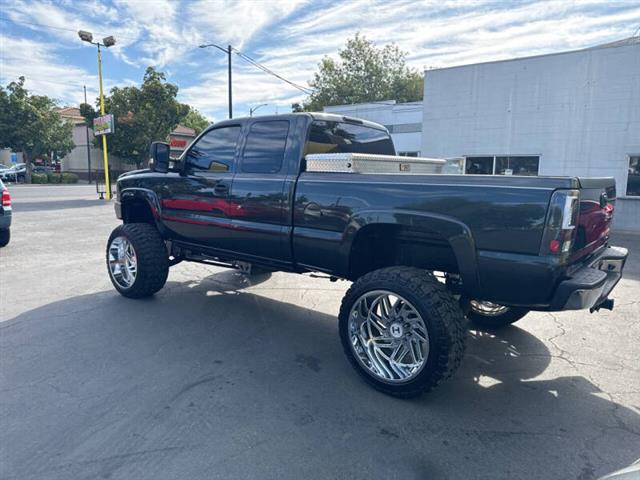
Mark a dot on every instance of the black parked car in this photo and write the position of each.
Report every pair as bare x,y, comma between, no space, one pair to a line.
253,192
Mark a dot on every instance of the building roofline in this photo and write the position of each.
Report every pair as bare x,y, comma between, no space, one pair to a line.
630,42
381,104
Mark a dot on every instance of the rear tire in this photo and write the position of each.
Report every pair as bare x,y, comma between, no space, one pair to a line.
5,236
490,316
428,316
137,260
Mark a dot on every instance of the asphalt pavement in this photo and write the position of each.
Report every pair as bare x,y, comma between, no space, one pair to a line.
219,376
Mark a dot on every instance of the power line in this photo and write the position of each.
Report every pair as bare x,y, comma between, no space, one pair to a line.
267,70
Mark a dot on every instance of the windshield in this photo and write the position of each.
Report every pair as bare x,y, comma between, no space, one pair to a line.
341,137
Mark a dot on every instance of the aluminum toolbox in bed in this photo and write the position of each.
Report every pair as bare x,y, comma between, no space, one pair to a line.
372,163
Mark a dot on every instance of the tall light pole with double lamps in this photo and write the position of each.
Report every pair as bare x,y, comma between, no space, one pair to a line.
106,42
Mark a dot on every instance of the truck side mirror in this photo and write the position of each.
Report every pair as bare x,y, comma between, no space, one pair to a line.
159,153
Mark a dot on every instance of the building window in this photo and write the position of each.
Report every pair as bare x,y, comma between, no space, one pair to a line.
479,165
405,128
522,165
409,154
633,176
527,166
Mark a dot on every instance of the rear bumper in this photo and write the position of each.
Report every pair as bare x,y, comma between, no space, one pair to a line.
590,285
5,218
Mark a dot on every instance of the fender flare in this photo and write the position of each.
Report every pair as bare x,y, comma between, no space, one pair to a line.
149,197
456,233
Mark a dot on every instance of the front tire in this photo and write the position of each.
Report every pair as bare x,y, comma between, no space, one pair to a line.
487,315
137,260
402,330
5,236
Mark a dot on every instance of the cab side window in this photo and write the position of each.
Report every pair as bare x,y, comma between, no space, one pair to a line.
265,148
215,150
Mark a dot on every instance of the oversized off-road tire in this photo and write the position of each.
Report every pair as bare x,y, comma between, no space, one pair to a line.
491,316
137,260
5,236
402,330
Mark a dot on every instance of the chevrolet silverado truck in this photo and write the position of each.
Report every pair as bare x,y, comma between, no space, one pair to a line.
425,252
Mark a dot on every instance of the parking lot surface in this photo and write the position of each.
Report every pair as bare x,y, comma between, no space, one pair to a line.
222,376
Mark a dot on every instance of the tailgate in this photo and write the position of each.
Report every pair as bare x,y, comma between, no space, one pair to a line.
597,203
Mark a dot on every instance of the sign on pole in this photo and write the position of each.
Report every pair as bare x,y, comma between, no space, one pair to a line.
103,125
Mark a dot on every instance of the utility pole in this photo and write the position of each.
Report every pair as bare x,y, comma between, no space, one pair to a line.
230,101
228,51
86,126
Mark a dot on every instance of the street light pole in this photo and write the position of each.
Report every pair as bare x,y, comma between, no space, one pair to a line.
86,127
105,157
228,51
251,110
107,42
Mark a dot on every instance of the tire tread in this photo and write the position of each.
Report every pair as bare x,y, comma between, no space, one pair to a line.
448,322
151,253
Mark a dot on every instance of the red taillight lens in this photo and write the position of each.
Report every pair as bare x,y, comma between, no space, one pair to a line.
6,198
562,219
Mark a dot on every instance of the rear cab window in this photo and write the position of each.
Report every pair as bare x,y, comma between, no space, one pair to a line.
265,147
342,137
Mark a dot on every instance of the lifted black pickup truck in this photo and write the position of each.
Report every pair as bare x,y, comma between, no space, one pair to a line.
423,251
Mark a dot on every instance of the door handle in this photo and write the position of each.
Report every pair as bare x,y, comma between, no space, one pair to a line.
221,189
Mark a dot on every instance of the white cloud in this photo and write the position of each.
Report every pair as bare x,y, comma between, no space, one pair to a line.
44,72
236,22
291,37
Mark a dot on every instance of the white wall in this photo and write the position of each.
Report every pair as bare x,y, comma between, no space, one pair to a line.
76,160
580,111
390,114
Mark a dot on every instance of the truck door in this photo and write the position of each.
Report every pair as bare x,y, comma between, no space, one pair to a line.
261,193
196,206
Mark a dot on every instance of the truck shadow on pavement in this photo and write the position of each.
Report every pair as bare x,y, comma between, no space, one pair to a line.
207,380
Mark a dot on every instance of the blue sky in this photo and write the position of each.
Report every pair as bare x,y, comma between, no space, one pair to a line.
38,40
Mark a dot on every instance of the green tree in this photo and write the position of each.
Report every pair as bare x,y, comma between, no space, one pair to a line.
142,115
363,73
195,120
31,124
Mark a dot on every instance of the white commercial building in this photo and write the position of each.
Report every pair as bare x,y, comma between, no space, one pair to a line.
403,120
573,113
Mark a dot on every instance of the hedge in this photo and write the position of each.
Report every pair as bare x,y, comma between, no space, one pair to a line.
52,177
39,178
68,178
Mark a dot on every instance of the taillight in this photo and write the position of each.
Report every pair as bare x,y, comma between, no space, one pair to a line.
562,219
6,198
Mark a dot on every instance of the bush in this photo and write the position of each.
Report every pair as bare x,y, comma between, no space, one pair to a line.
38,178
69,178
53,177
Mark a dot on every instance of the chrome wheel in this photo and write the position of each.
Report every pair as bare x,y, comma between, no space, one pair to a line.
487,308
388,336
123,264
